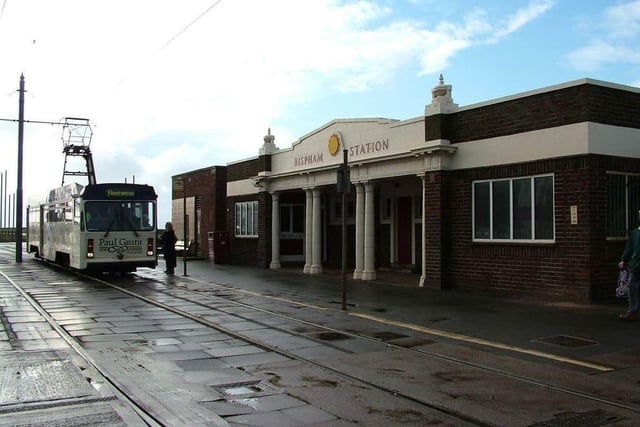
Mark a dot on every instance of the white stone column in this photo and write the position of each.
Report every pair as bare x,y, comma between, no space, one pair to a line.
357,273
423,275
275,231
308,226
316,260
369,272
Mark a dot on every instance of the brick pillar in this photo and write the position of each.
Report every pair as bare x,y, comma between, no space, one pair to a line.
263,251
433,199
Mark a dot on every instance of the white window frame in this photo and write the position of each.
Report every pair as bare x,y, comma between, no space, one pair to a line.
511,239
246,219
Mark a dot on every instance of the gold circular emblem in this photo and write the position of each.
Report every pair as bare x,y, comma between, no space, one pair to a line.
334,144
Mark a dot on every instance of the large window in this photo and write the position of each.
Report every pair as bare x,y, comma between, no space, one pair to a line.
514,209
119,216
623,194
247,219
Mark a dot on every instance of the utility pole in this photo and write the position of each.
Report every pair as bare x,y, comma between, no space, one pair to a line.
343,188
185,230
1,199
6,218
18,209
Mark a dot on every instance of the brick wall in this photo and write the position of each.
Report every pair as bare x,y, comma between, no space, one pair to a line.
210,184
574,104
580,266
244,170
606,253
249,250
244,250
435,238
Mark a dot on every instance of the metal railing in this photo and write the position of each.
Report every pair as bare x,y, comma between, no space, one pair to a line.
7,234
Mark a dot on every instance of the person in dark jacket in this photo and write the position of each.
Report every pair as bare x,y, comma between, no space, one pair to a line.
169,248
631,260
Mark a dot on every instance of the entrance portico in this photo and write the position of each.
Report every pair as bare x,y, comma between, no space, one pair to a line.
386,220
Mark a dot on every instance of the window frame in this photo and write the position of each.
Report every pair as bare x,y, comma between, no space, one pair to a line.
246,214
291,232
336,210
629,219
511,220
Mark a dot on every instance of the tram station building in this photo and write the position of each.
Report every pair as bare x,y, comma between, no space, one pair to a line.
528,196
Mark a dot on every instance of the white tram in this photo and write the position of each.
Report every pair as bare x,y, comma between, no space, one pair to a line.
98,227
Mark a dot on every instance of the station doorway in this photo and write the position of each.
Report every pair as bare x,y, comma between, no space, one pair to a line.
405,231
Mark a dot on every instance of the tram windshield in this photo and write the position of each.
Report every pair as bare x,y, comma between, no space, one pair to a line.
119,216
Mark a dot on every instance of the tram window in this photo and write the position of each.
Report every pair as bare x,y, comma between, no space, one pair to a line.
76,211
68,211
119,216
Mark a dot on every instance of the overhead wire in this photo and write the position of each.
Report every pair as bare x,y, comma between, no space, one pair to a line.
178,34
186,27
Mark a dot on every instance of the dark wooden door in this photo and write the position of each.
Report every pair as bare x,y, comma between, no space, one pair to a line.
404,223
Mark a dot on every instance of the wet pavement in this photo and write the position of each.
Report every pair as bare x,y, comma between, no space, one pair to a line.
575,338
564,329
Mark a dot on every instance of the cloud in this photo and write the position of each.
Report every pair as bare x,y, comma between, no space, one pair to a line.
161,104
623,20
614,39
598,53
523,16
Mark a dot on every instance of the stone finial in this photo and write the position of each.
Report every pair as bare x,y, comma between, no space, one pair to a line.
268,138
269,145
441,100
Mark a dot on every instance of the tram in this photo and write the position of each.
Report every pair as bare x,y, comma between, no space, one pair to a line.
97,227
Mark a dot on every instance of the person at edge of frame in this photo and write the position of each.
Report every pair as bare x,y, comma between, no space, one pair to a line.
169,240
631,259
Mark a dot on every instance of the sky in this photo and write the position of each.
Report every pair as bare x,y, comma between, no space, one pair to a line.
171,86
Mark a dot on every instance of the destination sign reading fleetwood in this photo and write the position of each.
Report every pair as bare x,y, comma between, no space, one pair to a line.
334,145
114,192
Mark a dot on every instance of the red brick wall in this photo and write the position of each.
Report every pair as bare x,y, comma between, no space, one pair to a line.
211,185
244,170
435,244
580,266
606,253
574,104
248,250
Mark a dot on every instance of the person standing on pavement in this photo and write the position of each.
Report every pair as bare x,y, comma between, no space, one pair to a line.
169,248
631,260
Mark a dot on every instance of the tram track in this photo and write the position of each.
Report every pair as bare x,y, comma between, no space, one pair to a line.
119,391
434,355
170,301
147,414
288,354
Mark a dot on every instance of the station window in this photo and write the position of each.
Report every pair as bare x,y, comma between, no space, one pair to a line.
514,209
417,199
247,219
336,215
623,203
292,218
387,207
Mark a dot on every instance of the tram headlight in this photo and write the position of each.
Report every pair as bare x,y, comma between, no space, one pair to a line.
150,249
89,248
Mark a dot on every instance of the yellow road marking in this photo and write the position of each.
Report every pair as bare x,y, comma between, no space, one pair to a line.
481,341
